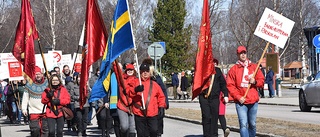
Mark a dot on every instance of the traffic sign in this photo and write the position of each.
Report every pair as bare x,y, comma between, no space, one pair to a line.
163,44
317,50
155,50
316,41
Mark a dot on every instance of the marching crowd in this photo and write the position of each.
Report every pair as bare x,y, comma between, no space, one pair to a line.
134,109
135,106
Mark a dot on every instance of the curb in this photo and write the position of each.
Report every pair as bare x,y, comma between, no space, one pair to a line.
263,103
232,128
277,104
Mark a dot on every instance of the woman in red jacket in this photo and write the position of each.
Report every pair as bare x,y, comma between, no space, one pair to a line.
55,98
127,125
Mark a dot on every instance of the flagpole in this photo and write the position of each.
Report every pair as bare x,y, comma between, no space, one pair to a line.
256,70
45,67
136,55
80,44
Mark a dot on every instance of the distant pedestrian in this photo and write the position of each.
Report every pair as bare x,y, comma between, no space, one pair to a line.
184,86
175,84
269,81
238,79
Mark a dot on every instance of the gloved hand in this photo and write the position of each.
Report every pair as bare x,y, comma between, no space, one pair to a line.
226,99
161,112
50,94
56,102
139,88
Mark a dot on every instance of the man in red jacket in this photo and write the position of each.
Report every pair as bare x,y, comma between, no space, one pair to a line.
146,117
238,79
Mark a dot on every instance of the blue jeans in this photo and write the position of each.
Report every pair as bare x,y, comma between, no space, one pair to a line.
247,114
19,115
271,90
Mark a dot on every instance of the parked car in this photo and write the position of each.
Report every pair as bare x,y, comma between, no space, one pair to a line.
309,94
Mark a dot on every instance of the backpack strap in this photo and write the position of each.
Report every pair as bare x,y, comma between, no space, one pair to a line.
148,99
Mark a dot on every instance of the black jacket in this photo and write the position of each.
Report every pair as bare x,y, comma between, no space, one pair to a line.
219,85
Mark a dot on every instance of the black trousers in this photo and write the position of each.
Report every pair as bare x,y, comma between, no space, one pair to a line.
210,114
146,126
52,122
105,119
38,130
82,119
160,125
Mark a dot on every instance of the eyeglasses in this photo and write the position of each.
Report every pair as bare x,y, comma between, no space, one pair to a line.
55,80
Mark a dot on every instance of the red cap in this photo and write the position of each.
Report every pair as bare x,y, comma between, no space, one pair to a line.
37,69
241,49
129,66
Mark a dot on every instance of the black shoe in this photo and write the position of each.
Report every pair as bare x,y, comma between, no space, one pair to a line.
111,131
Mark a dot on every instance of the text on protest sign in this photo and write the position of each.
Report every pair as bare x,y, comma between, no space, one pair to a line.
274,28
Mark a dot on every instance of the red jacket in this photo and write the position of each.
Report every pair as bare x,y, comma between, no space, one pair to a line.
234,80
124,101
64,100
157,98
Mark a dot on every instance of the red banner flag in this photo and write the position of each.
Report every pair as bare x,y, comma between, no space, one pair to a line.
26,33
204,66
95,44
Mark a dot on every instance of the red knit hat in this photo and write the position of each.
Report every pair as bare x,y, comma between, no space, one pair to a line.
37,69
129,66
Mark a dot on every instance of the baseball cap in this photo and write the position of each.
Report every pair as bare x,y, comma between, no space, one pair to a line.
144,66
241,49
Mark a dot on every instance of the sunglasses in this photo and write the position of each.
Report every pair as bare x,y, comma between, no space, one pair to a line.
243,52
144,71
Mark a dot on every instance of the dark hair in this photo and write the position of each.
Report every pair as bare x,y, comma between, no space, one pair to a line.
55,68
52,71
76,79
216,61
51,77
65,66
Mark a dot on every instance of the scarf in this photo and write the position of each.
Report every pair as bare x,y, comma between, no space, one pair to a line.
246,76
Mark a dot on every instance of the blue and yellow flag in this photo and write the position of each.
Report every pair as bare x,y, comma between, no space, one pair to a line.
120,39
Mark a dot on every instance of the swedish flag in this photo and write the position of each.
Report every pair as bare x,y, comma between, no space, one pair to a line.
120,40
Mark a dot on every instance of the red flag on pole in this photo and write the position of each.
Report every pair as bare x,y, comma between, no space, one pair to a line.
95,44
204,66
26,33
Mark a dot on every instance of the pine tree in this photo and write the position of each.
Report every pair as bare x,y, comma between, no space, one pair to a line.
169,27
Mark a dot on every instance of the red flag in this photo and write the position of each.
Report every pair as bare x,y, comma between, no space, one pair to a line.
204,66
95,44
26,33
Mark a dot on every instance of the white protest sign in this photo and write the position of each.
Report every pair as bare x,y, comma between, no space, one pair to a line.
66,60
274,28
10,67
56,57
39,62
